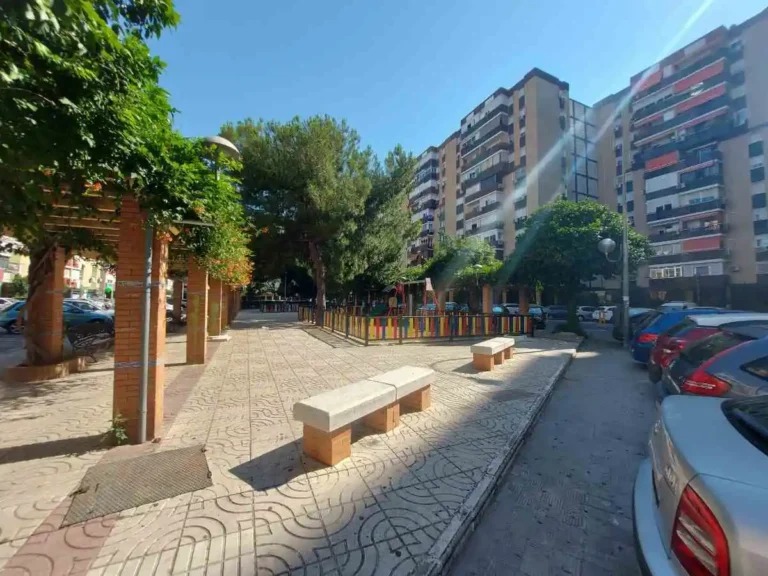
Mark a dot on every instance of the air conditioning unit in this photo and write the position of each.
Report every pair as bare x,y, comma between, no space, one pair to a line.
735,268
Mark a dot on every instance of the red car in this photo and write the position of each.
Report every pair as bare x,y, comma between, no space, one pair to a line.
670,343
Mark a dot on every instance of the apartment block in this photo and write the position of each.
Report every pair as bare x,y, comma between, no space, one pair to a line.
422,201
683,154
519,149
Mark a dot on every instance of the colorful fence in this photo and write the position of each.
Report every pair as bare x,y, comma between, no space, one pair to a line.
404,328
274,305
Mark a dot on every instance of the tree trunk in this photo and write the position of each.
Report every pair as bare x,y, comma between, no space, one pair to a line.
40,266
319,267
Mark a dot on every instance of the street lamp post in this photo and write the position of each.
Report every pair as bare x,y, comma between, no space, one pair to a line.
607,246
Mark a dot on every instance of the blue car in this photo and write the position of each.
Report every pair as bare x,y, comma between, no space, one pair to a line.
73,316
655,324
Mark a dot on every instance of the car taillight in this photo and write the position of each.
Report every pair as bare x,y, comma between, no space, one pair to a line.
704,384
645,338
698,541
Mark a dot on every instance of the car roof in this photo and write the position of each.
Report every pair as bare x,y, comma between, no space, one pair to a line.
752,330
715,320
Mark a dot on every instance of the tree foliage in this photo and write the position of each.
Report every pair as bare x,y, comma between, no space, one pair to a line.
559,247
315,197
82,117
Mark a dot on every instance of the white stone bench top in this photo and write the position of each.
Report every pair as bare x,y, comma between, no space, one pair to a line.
331,410
492,346
406,379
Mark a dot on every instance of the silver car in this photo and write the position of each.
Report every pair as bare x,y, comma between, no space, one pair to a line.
701,499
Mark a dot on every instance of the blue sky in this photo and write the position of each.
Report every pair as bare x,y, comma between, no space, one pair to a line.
407,72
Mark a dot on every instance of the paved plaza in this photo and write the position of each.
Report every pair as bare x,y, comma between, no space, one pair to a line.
396,506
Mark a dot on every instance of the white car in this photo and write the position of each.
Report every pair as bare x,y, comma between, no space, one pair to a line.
606,311
584,312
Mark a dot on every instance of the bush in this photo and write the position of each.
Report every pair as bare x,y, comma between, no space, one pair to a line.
19,287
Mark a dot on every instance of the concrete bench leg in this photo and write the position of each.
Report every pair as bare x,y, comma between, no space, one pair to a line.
419,400
482,363
328,447
498,358
508,353
384,420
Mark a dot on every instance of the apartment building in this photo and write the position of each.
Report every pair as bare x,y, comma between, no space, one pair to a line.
422,201
519,149
683,154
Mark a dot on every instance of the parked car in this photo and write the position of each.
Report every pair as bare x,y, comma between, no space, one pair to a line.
74,316
678,305
692,328
646,334
605,311
636,317
700,501
557,312
585,312
89,306
5,302
731,363
8,317
534,310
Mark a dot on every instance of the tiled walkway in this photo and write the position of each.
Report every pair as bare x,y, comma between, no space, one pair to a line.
270,509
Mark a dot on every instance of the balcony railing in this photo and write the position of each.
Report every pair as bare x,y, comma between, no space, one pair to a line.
716,204
426,192
486,152
425,233
682,118
501,127
501,169
427,205
701,182
652,109
680,74
497,225
683,234
486,187
484,210
717,130
690,256
503,108
498,244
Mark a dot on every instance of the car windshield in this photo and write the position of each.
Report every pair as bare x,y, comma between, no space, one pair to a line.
645,321
680,327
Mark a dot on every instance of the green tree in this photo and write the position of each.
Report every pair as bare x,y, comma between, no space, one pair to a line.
18,287
315,196
559,249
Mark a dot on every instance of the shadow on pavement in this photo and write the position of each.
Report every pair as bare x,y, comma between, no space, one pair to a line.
65,447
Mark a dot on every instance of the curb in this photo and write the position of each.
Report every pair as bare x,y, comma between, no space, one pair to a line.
463,524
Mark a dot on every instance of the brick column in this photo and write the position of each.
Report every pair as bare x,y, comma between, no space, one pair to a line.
178,296
128,300
487,299
522,299
214,307
44,314
197,313
224,306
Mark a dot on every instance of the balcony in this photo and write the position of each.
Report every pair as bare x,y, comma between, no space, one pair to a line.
684,72
501,126
652,109
484,210
702,182
683,234
499,170
761,254
425,233
718,130
486,152
501,108
486,187
426,192
693,158
430,163
498,244
716,204
428,205
459,224
497,225
718,253
681,118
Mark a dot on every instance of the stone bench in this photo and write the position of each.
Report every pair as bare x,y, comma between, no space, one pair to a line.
328,417
491,352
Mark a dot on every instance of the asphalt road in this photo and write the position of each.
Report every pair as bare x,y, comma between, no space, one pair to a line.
565,505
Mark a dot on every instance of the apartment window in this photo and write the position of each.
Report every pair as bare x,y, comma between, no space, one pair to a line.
755,148
4,261
460,208
630,186
701,271
562,122
631,206
619,151
522,140
521,102
522,121
619,169
758,201
757,174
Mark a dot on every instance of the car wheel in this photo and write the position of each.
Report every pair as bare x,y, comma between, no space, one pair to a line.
581,318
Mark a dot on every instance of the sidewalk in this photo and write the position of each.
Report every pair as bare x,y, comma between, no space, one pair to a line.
388,509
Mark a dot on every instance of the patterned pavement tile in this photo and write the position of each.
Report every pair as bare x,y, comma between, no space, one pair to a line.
292,544
381,558
411,508
429,465
355,524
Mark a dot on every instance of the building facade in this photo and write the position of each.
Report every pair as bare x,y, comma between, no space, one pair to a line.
519,149
683,154
422,202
